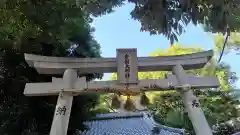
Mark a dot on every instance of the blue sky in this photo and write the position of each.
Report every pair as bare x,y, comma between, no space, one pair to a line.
119,30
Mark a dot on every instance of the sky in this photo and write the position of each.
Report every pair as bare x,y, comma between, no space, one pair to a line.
119,30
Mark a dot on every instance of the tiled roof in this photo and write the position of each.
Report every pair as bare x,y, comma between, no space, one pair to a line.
127,124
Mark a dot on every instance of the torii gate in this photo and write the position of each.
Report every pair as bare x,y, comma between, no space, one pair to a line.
127,65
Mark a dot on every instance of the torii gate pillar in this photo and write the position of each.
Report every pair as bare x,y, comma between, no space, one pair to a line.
64,104
195,113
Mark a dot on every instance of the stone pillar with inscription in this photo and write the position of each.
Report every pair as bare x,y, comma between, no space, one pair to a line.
192,104
64,104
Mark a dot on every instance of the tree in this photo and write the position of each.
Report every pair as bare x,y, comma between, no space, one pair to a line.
225,129
169,17
218,106
50,28
233,42
156,16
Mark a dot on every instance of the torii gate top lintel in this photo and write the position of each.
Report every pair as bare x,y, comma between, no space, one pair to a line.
57,65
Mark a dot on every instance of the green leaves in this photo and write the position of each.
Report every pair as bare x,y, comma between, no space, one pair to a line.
233,42
170,17
98,7
158,17
175,118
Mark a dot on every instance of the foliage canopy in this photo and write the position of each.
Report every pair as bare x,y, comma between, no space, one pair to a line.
168,17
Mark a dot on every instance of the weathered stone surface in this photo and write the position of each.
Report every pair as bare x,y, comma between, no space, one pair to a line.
57,65
127,68
57,84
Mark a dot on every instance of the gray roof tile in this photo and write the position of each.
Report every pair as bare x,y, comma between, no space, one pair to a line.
126,124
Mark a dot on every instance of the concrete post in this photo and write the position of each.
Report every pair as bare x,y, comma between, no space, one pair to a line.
192,104
64,104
